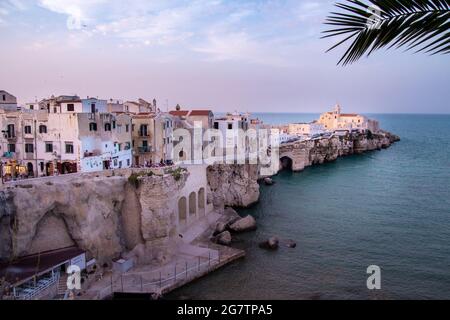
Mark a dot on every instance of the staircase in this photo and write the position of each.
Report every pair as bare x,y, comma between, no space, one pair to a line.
62,285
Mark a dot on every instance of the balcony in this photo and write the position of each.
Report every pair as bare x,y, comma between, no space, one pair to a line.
147,149
9,155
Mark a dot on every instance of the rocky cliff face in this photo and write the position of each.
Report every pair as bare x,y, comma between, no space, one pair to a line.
104,215
233,185
307,153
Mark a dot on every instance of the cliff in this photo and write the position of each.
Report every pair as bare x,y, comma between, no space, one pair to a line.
104,214
233,185
301,154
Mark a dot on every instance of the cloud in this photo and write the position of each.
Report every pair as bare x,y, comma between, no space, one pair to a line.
261,31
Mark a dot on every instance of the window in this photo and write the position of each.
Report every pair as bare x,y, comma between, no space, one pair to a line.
93,109
113,124
120,164
216,125
55,110
70,107
11,132
128,162
69,147
41,164
4,97
127,146
144,143
31,107
42,129
127,127
11,147
29,148
143,130
92,126
230,126
27,130
49,147
107,127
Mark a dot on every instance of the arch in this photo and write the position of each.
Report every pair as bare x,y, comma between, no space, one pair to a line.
192,203
286,163
201,200
182,210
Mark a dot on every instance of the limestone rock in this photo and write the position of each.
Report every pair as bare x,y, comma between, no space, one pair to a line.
244,224
271,244
290,243
233,185
223,238
220,227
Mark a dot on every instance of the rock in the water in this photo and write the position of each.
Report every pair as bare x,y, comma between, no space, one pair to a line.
291,243
270,244
244,224
224,238
268,181
220,227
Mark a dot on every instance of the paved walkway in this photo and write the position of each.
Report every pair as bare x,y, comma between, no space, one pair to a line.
190,262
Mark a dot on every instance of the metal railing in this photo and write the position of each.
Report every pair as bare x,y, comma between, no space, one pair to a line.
33,292
156,281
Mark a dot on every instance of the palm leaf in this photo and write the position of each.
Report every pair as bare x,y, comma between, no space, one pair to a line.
422,25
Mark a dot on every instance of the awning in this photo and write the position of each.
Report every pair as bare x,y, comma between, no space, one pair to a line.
27,267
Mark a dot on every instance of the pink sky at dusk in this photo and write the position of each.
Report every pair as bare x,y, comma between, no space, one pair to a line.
257,55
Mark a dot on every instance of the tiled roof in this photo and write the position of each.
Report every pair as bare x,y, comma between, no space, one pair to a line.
200,113
180,113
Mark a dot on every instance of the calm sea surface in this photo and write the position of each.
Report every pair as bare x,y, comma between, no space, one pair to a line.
389,208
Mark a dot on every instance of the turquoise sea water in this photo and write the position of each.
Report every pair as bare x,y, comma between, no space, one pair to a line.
389,208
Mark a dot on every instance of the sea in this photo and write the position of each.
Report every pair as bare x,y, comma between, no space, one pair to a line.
388,208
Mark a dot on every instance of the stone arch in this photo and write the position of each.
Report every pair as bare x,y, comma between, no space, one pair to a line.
286,163
182,210
51,233
201,200
192,203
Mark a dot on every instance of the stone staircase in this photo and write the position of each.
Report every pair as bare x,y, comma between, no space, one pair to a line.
62,286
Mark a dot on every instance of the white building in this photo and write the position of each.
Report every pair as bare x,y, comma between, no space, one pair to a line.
38,143
94,105
306,129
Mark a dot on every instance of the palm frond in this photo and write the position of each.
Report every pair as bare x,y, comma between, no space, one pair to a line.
422,25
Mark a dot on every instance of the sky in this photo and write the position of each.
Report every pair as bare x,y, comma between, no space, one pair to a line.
254,55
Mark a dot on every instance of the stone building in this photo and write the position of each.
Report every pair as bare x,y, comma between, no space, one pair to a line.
335,120
152,138
305,129
8,102
38,143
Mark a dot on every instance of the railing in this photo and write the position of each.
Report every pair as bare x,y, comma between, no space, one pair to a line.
32,292
156,281
145,149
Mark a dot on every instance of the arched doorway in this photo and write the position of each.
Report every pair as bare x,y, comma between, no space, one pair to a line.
285,163
30,169
182,211
201,201
192,204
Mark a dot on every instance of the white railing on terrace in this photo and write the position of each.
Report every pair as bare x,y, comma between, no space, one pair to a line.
156,281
